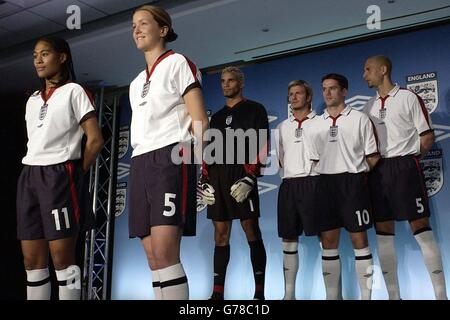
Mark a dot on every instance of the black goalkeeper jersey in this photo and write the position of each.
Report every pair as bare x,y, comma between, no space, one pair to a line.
250,151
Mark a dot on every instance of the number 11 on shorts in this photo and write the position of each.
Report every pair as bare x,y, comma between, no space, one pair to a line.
55,214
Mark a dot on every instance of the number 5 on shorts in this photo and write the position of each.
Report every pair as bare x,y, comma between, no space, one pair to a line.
170,204
419,205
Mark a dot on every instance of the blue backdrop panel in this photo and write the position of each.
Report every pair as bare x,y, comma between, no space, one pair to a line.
421,61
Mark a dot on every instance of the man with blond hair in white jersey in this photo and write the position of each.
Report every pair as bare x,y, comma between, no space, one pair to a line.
296,195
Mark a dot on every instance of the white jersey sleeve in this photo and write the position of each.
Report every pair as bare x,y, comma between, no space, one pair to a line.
279,149
311,147
419,113
81,103
279,145
369,135
185,76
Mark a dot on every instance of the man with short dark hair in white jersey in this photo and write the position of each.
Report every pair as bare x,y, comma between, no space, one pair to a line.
344,143
397,184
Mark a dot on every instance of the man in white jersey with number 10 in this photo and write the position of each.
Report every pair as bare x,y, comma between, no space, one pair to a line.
344,143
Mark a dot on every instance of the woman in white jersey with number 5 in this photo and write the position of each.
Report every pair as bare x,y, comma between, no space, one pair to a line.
52,199
167,104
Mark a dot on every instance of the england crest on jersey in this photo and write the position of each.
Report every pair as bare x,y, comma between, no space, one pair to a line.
43,111
433,171
426,86
124,138
333,131
228,120
121,198
145,89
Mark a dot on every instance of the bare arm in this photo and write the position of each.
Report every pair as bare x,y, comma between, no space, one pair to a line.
426,141
372,160
94,142
196,108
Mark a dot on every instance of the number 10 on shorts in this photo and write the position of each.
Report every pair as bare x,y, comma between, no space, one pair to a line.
363,218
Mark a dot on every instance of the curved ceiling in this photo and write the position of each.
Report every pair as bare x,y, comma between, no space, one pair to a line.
211,33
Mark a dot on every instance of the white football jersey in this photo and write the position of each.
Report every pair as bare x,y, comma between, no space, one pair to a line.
399,118
341,144
291,147
159,114
53,126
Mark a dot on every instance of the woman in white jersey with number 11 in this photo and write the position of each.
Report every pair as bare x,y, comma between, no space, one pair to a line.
53,203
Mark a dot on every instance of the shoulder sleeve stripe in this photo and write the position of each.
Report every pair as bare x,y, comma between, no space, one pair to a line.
422,106
375,134
90,95
196,83
424,110
193,68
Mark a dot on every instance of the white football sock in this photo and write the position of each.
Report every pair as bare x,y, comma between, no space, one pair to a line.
290,267
38,284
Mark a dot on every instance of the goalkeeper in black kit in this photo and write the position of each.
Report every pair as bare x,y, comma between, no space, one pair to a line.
239,134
